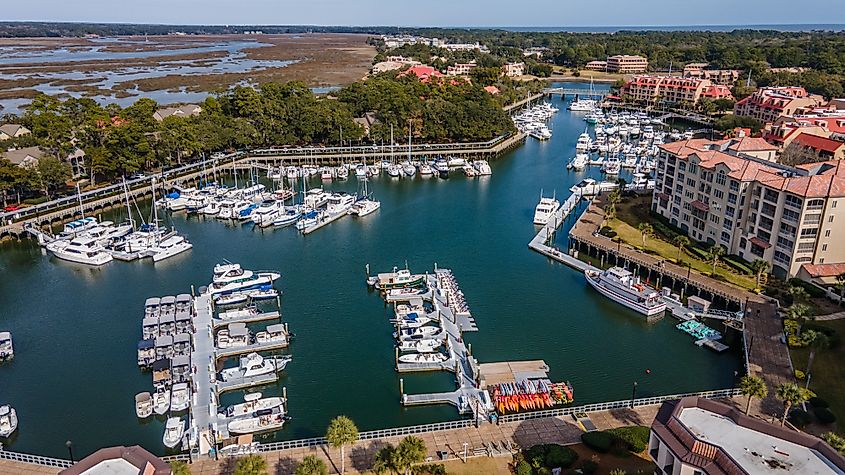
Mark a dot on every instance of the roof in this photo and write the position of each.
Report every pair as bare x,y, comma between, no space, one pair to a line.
817,142
492,89
184,110
119,460
760,243
12,129
721,439
751,144
20,155
824,270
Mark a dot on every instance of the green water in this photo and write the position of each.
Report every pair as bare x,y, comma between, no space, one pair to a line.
75,328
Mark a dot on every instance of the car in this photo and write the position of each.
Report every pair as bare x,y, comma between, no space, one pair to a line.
11,208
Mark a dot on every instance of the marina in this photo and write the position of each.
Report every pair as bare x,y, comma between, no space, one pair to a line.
527,308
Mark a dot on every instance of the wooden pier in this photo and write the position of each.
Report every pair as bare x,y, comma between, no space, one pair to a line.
324,222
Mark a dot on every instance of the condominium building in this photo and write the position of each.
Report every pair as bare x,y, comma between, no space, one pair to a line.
627,64
696,436
460,69
513,70
673,89
724,77
767,104
722,192
596,66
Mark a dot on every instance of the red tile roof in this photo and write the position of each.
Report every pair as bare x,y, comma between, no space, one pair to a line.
492,89
819,143
824,270
752,144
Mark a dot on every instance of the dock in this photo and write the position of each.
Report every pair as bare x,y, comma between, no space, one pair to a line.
261,317
324,222
252,348
205,403
243,383
540,242
510,371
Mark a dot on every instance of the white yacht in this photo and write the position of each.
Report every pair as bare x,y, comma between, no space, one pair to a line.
75,227
169,247
395,171
276,333
545,209
340,203
420,333
590,187
420,346
267,212
161,401
230,277
260,421
364,207
579,162
253,402
8,420
290,216
584,143
143,405
426,170
423,358
83,250
482,167
621,286
174,430
612,166
253,365
583,105
7,351
409,170
180,397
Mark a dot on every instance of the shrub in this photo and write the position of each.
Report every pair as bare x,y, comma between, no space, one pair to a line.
550,456
799,418
523,468
699,253
771,291
824,415
800,375
598,441
818,402
35,201
429,469
635,438
737,263
832,336
589,467
179,467
811,289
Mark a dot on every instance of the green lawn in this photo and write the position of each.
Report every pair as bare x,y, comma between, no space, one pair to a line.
828,372
632,211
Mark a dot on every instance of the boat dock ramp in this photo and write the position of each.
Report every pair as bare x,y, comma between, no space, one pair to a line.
687,315
540,242
328,220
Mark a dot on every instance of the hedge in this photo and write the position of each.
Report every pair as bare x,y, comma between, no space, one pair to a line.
635,438
824,415
737,263
799,418
811,289
551,456
598,441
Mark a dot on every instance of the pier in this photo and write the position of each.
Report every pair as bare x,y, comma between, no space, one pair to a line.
251,348
328,220
541,240
204,405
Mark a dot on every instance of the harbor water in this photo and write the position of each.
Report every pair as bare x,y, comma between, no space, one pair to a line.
75,328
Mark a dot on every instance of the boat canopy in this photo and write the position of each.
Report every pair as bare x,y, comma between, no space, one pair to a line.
181,338
169,300
142,397
412,316
5,409
238,329
152,302
182,315
182,298
173,195
181,361
168,318
163,341
5,336
161,365
252,397
150,322
277,328
173,423
146,344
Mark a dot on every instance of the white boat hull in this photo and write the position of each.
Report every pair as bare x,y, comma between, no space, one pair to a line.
622,300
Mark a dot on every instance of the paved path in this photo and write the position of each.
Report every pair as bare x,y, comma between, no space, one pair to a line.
768,355
832,316
8,467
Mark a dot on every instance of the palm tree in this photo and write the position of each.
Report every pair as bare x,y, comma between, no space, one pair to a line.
383,460
311,465
609,211
799,312
614,197
836,441
251,465
716,251
840,279
791,394
760,267
681,242
752,387
646,230
817,341
799,294
411,450
341,432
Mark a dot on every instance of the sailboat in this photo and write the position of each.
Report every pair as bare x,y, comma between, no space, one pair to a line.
170,245
366,204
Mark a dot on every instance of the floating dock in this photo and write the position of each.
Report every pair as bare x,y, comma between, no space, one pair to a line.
512,371
205,403
324,222
541,240
252,348
261,317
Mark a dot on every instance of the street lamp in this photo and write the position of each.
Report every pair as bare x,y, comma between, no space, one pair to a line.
633,394
69,446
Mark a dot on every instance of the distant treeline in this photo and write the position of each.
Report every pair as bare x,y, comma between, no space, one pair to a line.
48,29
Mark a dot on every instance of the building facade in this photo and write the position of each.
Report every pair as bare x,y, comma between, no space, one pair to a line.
596,66
768,104
725,77
723,193
671,89
513,70
696,436
460,69
12,131
627,64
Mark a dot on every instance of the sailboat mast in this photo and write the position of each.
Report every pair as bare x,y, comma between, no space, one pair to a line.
128,207
79,198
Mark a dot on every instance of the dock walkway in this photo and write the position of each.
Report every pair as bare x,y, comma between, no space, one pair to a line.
261,317
542,238
204,404
251,348
325,222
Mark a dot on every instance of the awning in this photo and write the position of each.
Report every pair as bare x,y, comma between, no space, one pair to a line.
700,206
663,196
760,243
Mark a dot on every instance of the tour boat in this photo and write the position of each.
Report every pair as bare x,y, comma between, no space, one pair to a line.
621,286
482,167
8,420
423,358
143,405
180,397
399,279
260,421
161,401
7,351
545,209
253,402
253,365
174,430
82,250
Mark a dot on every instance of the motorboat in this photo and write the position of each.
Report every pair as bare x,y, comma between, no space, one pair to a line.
309,219
364,207
259,421
541,132
326,174
174,430
423,358
231,299
611,166
414,320
253,365
469,170
584,143
276,333
253,402
339,203
583,105
455,162
82,250
8,420
482,167
420,346
590,187
342,173
238,313
426,170
545,209
409,170
394,171
143,405
267,212
290,216
398,279
170,247
236,335
621,286
73,228
442,167
7,350
315,198
180,397
419,333
230,278
161,401
579,162
361,171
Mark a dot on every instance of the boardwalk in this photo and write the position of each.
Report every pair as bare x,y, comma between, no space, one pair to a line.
204,405
540,243
768,355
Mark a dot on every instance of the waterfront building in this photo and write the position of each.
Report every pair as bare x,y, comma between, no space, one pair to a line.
596,66
465,47
671,89
768,104
186,110
513,70
725,77
816,148
697,436
460,69
401,40
12,131
627,64
726,193
121,460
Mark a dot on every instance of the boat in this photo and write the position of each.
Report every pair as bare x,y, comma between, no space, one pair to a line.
238,313
82,250
579,162
545,209
326,174
290,216
276,333
364,207
143,405
260,421
426,170
399,279
590,187
395,171
469,170
611,166
253,365
161,401
267,212
174,430
8,420
339,203
180,397
253,402
420,346
7,350
231,299
482,167
414,320
309,219
73,228
621,286
236,335
442,168
230,278
584,143
342,173
170,247
409,170
423,358
424,332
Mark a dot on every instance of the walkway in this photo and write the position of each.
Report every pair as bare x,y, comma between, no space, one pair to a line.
766,350
541,240
8,467
204,406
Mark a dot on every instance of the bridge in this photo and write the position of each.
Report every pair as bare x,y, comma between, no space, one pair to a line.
577,92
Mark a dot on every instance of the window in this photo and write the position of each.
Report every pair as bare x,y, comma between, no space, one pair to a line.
833,203
690,182
728,224
771,195
721,177
689,195
719,194
830,219
815,204
793,201
824,247
790,215
809,232
804,259
729,211
827,233
766,223
768,209
682,166
785,243
714,219
812,218
806,247
734,185
693,168
726,236
781,257
731,198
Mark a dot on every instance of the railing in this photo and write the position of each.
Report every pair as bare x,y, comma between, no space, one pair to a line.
606,406
35,459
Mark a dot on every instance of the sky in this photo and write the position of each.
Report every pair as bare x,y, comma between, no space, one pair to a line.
432,12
